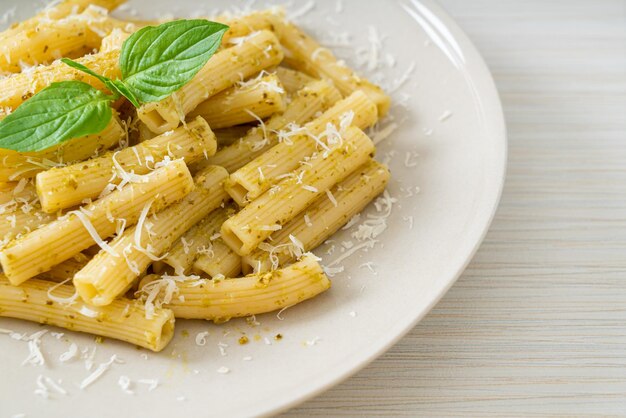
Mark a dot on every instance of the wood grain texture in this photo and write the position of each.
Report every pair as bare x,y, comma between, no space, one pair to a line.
536,326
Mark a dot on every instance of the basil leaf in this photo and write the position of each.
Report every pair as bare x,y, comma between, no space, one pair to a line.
158,60
61,111
116,86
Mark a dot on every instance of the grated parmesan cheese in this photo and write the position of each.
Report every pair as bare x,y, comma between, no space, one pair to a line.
152,383
93,232
331,197
44,384
445,115
35,356
201,338
125,384
313,342
100,370
63,301
70,354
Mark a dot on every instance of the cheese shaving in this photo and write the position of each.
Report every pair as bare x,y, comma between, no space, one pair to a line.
62,301
125,384
186,244
269,228
152,383
409,160
257,146
125,176
313,342
44,384
201,338
35,356
445,115
93,232
100,370
331,197
70,354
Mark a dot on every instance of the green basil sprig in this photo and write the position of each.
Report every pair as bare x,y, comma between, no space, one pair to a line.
155,62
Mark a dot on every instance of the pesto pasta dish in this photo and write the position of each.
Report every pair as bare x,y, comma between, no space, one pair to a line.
174,168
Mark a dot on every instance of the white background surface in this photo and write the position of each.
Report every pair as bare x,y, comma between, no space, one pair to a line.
537,324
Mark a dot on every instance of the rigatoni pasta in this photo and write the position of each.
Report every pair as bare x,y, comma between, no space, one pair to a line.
220,260
73,35
292,80
53,304
60,188
251,180
221,300
41,249
313,98
263,116
249,102
21,221
197,241
320,220
269,212
111,272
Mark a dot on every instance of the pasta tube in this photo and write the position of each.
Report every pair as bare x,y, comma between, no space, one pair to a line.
74,36
64,187
261,50
250,102
292,80
305,54
315,97
243,26
110,273
257,176
23,165
58,11
221,300
220,260
19,222
196,241
43,248
322,219
269,212
53,304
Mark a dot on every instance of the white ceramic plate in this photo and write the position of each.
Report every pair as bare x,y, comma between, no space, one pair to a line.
449,113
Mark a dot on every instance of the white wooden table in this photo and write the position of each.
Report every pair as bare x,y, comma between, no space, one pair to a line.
537,323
